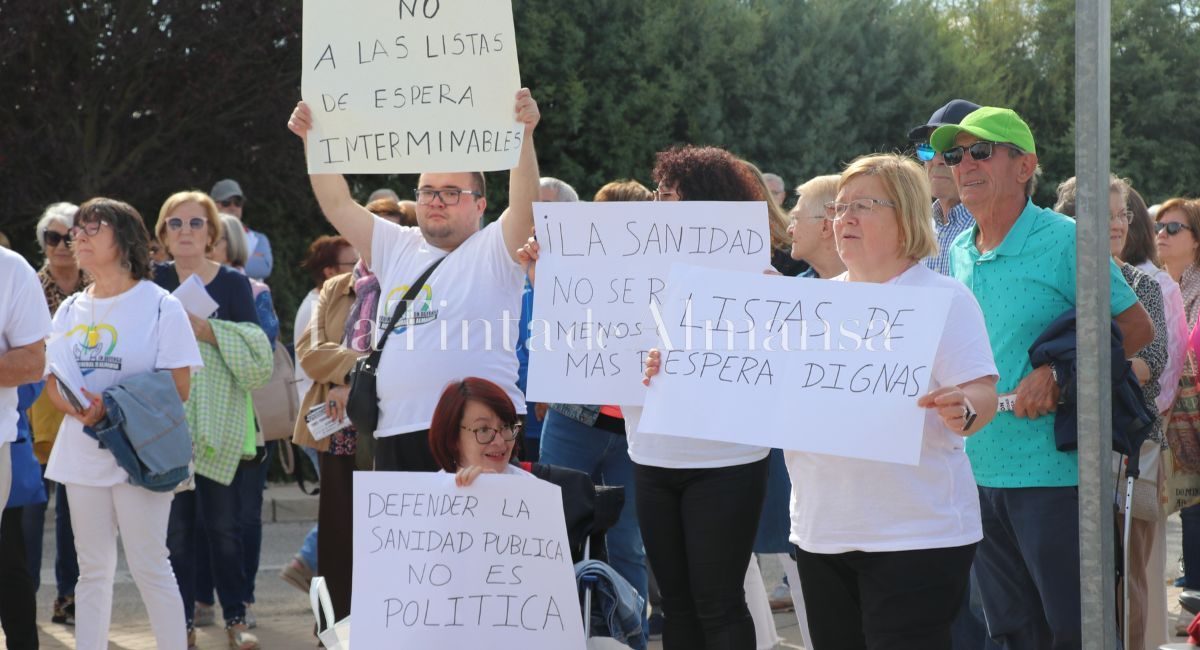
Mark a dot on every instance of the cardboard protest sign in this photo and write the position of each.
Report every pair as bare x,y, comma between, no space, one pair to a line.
602,268
408,86
439,566
810,365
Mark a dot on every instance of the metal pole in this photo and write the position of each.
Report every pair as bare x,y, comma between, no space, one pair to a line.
1096,549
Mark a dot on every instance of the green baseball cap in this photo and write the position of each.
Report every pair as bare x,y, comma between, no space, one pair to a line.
987,123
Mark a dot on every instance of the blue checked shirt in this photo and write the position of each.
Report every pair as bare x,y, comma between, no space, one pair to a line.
960,220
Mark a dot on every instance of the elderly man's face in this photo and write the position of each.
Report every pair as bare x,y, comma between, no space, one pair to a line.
941,180
985,183
777,191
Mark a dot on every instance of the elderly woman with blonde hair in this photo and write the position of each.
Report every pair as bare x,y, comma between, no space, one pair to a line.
894,577
237,358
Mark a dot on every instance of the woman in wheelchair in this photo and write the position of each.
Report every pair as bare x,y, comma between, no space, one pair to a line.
475,430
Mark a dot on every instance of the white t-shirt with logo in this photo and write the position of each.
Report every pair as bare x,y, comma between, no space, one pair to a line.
675,452
24,319
477,289
847,504
115,338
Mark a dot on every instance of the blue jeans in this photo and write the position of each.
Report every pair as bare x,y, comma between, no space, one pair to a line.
66,566
605,456
220,507
308,550
1027,567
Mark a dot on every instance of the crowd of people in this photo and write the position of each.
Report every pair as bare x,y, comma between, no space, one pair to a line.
974,547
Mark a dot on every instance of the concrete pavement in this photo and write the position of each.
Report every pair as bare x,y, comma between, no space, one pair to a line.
284,618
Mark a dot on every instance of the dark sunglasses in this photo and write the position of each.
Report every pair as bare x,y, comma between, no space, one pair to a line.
1172,227
925,152
195,223
53,239
981,150
235,201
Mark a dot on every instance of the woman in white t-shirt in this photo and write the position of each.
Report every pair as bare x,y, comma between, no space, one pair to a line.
699,501
121,325
884,550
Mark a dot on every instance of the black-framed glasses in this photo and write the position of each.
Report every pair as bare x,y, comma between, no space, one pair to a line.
981,150
836,211
449,196
233,201
53,239
89,228
195,223
1172,227
485,435
925,152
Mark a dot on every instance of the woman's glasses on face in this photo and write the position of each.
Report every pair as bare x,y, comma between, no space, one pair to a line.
195,223
89,228
53,239
485,435
1172,227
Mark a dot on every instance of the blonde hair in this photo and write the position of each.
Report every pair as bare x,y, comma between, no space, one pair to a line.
780,239
627,190
191,196
906,185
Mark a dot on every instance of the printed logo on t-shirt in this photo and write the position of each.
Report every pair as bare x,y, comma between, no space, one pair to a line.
93,346
419,312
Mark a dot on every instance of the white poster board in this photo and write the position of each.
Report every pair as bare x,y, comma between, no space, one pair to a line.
803,364
601,268
409,86
439,566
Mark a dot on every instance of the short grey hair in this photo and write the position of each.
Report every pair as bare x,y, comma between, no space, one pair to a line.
236,248
62,214
768,177
563,192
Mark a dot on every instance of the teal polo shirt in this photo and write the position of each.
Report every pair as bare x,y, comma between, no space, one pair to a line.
1022,286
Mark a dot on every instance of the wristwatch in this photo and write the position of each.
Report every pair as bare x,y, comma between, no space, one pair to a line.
969,414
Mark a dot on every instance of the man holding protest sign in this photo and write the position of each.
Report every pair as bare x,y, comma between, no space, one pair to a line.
1019,261
464,318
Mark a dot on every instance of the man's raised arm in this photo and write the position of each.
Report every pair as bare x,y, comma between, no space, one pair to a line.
517,220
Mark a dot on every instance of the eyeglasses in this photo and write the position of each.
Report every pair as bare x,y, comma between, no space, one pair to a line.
925,152
665,195
796,218
1172,227
836,211
195,223
89,228
1124,216
981,150
485,435
449,196
53,239
233,201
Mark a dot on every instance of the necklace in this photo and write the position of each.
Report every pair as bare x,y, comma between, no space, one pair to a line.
93,333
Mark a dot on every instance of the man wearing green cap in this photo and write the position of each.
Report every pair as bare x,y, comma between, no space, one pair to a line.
1019,261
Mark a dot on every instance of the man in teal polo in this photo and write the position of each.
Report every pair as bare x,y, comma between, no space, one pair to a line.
1019,261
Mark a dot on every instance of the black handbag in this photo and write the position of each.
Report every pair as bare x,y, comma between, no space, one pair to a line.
362,406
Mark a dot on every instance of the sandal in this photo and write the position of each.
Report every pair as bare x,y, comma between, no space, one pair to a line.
191,638
240,638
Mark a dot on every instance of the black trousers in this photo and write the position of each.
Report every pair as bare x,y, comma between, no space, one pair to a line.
405,452
18,600
335,539
698,526
896,600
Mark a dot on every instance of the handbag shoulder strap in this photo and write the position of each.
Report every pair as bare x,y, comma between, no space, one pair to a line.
408,297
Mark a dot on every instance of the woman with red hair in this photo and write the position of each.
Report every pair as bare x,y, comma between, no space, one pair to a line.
474,430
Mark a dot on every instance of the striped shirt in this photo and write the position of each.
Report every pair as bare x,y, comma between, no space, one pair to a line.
960,220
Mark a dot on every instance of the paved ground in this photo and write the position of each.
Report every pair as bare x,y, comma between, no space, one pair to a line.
285,621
